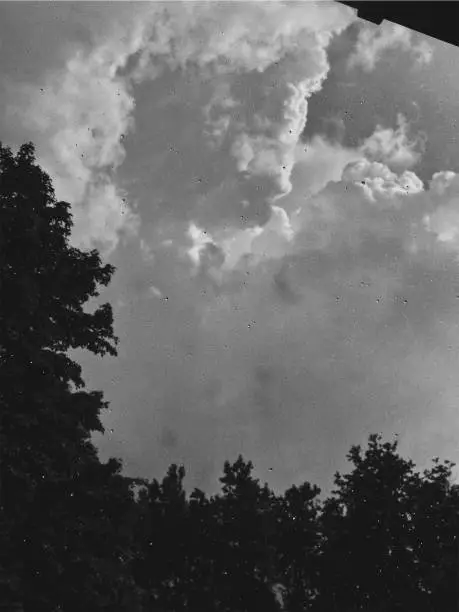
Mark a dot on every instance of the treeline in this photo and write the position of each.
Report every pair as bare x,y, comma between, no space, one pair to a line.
78,536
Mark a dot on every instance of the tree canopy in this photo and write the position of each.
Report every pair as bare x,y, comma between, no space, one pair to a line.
55,493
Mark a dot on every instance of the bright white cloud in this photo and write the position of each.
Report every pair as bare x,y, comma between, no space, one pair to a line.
277,235
80,117
376,169
83,112
373,41
233,244
259,243
251,36
425,221
379,161
318,162
393,147
199,238
337,212
377,180
308,214
277,43
442,181
236,243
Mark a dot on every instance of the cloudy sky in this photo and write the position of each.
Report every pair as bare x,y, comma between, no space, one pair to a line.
277,184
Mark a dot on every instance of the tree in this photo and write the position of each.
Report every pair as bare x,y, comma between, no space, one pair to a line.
367,560
161,568
435,518
50,471
204,553
297,542
245,523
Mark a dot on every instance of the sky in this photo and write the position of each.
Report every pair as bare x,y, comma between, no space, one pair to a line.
277,185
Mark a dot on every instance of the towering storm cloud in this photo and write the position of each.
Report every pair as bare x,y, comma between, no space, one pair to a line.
276,294
263,59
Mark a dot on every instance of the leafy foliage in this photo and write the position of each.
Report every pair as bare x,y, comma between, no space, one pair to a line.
56,496
368,532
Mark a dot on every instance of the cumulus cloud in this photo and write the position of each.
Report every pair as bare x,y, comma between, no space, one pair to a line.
443,182
200,239
263,142
368,199
268,242
377,180
368,203
393,147
284,300
250,38
84,111
281,50
219,254
372,205
264,60
80,116
373,41
318,163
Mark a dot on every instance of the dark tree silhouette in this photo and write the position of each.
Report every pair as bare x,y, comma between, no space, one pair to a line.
51,477
297,545
366,562
383,547
435,517
384,541
162,564
245,523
